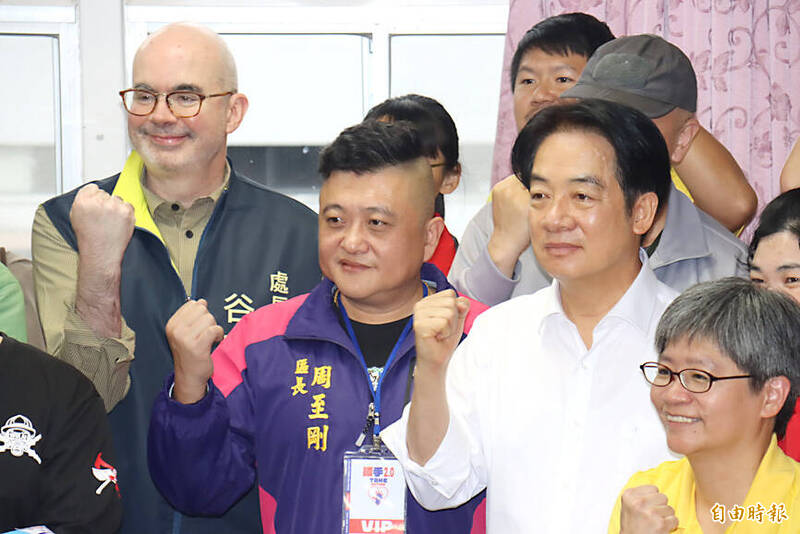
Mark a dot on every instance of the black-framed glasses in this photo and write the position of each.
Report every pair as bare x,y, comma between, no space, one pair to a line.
694,380
182,104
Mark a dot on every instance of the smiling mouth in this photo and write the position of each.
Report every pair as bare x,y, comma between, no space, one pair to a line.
167,139
680,419
352,266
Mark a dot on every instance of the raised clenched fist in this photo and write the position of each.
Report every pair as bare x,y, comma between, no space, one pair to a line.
646,511
510,236
191,332
438,325
103,224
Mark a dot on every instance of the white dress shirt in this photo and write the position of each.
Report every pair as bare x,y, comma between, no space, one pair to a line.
553,430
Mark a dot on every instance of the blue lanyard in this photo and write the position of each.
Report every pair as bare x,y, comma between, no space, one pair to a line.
376,393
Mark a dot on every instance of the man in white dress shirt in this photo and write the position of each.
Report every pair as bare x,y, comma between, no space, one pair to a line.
544,403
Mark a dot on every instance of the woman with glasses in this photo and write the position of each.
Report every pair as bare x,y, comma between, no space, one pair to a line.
440,142
724,387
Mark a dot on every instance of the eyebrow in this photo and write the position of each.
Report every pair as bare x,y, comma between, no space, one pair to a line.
784,267
553,68
369,209
181,87
188,87
331,207
383,210
589,180
691,361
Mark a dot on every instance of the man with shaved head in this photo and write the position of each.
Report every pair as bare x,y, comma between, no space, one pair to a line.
117,257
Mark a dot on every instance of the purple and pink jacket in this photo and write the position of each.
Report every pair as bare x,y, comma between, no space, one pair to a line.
288,397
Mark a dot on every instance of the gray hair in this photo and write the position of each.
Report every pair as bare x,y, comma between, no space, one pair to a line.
756,328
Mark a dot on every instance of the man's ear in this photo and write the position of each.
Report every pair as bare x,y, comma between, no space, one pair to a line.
644,212
451,180
433,230
684,140
237,107
775,391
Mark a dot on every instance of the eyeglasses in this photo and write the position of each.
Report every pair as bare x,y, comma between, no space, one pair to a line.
694,380
182,104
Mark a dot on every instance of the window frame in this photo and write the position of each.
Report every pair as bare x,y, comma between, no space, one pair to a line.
60,22
379,22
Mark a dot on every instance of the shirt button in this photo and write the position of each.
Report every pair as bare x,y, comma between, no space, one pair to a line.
175,207
189,234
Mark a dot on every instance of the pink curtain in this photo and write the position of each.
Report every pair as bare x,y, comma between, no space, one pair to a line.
743,52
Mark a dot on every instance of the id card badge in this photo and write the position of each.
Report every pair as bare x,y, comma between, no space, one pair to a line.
374,493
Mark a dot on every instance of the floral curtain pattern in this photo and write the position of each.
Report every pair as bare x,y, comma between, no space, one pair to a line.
746,54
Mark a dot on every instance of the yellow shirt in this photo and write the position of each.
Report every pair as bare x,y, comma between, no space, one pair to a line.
774,496
678,183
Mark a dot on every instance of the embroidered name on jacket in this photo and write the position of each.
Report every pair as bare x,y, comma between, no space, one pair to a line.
18,437
316,435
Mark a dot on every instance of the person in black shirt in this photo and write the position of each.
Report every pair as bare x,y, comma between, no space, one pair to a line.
56,457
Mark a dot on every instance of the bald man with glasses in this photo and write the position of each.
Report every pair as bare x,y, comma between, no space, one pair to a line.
115,258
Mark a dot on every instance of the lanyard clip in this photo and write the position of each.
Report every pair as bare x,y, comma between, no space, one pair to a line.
371,418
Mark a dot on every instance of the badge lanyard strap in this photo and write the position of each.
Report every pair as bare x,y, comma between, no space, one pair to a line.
376,393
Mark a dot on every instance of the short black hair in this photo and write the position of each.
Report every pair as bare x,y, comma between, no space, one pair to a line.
643,164
757,328
436,128
570,33
371,146
782,214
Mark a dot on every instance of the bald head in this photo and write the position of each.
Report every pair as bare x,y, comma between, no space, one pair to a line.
189,58
194,46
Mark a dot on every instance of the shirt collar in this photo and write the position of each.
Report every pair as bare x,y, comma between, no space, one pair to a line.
154,201
683,236
635,307
773,483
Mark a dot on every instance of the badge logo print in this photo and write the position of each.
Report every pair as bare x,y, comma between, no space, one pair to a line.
18,437
105,473
377,493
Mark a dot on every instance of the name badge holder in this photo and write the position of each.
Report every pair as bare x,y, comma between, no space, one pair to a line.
374,493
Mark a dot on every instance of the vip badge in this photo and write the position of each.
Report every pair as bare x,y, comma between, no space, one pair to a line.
374,498
18,437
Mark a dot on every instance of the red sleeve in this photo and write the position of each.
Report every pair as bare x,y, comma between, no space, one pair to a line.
475,308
